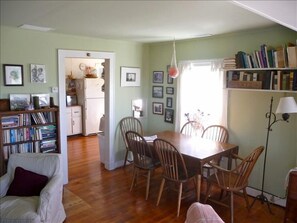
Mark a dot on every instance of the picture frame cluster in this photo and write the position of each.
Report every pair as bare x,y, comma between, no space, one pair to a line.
158,93
13,74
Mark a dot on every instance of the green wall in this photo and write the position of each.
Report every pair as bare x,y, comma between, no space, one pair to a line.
24,47
246,109
246,119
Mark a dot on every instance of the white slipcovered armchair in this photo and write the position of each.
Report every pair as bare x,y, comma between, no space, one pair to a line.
47,207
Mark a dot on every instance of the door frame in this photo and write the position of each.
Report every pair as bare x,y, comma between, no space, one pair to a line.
109,104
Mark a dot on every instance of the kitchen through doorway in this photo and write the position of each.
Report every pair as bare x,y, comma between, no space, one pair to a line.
109,85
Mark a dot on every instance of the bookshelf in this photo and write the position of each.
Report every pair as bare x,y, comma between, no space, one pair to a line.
262,79
32,131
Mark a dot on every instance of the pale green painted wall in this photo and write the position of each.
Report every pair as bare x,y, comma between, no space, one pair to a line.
247,110
25,47
246,122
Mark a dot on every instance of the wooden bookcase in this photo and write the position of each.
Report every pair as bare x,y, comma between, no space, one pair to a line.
262,79
35,131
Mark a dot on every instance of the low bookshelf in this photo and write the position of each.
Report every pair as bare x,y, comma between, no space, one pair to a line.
29,131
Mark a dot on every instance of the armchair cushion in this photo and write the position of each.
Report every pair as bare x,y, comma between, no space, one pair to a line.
202,213
26,183
47,206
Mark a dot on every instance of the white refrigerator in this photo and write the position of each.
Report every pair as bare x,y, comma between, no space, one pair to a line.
91,97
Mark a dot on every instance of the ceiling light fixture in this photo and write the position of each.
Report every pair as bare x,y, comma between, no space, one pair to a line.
37,28
173,69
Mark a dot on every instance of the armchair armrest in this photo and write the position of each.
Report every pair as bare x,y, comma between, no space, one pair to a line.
50,199
4,184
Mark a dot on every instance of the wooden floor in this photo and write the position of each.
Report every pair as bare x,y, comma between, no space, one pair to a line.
95,194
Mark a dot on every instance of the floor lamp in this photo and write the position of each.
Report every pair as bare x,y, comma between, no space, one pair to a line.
286,105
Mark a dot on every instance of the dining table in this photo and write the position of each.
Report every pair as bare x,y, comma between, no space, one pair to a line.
197,151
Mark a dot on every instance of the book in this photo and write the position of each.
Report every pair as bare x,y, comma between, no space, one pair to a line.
10,121
280,57
292,56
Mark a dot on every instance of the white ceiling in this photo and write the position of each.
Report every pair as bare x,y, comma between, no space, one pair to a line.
142,21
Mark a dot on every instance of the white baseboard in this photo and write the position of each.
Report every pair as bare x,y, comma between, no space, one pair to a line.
271,198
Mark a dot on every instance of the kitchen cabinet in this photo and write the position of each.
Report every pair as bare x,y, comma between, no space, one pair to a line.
74,120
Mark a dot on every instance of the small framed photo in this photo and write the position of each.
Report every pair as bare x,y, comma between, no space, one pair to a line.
44,99
169,102
157,91
13,75
169,79
158,108
169,90
19,101
169,115
130,77
38,74
158,77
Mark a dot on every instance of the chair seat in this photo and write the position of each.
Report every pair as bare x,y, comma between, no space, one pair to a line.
148,163
22,209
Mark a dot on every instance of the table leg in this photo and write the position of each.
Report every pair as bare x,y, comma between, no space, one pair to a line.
198,187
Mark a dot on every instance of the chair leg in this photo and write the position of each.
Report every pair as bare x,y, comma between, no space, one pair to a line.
148,184
133,178
160,190
246,199
198,187
179,197
208,190
232,207
126,157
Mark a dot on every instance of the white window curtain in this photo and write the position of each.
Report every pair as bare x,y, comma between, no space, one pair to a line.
200,87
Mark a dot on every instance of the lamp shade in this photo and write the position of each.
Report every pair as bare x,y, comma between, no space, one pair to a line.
286,105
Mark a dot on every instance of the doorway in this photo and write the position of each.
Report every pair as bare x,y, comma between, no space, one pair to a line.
109,104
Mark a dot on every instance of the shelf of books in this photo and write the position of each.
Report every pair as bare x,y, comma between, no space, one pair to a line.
270,69
33,131
272,79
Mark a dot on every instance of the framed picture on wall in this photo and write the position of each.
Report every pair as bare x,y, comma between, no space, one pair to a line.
169,90
130,77
157,91
37,73
169,102
13,75
158,77
158,108
169,115
169,79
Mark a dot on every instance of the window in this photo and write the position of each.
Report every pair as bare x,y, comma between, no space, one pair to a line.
201,91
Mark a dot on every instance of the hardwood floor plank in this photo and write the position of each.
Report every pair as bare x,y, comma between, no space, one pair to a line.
95,194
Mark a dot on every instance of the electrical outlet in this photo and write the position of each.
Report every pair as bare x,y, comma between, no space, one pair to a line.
272,199
55,89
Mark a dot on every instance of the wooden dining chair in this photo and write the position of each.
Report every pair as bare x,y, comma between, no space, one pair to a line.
129,124
233,181
144,159
192,128
216,133
174,169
